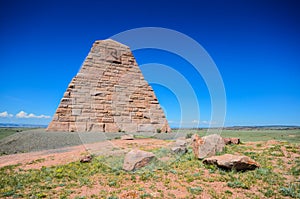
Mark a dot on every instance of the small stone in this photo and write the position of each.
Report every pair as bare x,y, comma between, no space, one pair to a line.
229,161
179,150
136,159
127,137
231,141
86,159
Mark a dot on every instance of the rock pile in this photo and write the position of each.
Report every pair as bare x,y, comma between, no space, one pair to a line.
203,148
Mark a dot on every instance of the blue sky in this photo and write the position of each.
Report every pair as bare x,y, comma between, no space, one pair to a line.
255,45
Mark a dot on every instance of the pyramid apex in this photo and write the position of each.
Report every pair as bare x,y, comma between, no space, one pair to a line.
110,42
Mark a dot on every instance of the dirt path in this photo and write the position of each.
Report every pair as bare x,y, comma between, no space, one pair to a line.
35,160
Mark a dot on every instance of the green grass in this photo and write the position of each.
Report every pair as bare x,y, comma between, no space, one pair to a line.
254,135
277,177
4,132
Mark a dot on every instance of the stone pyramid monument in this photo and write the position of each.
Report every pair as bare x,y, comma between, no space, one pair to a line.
109,94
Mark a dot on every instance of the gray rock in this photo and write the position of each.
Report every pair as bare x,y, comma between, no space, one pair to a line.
207,146
136,159
236,162
181,142
180,146
179,150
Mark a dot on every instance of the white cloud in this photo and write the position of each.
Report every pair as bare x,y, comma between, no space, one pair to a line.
23,114
6,114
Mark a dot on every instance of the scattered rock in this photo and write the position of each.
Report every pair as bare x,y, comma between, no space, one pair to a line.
229,161
180,146
232,141
129,194
136,159
179,150
189,141
86,159
181,142
207,146
127,137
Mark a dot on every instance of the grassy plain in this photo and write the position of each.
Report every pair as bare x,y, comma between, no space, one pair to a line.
254,135
4,132
180,177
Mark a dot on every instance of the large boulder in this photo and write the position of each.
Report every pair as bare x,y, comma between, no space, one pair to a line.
136,159
207,146
229,161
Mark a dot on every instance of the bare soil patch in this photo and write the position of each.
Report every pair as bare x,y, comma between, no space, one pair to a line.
36,160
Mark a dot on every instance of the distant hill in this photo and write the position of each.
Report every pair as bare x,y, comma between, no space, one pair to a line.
270,127
265,127
12,125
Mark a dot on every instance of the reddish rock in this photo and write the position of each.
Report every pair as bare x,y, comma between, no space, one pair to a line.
136,159
207,146
197,141
109,93
229,161
231,141
86,159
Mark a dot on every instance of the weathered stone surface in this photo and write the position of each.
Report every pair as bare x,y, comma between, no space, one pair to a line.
207,146
136,159
180,146
127,137
166,128
232,140
86,159
181,142
179,150
229,161
108,94
197,142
